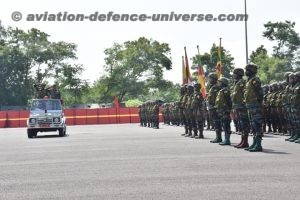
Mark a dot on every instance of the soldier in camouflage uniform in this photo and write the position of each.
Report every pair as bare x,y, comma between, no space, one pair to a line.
234,117
155,110
198,112
148,113
224,105
286,102
239,107
266,110
140,115
166,113
253,99
189,111
176,112
183,102
171,113
295,108
211,100
273,108
279,110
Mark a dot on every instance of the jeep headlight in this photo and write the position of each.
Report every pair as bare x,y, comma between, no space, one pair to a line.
56,120
32,120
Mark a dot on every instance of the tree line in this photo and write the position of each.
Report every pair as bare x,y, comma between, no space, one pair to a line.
133,70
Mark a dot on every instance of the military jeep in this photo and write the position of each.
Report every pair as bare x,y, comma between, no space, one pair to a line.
46,115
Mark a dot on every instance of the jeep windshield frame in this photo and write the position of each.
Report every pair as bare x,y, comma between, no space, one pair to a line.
45,104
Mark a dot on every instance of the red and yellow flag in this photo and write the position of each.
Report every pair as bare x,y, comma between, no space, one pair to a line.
201,77
187,69
219,63
201,80
184,77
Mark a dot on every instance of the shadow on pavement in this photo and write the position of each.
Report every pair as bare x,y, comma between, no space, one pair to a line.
49,136
271,151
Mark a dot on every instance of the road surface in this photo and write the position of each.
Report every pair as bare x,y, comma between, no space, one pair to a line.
131,162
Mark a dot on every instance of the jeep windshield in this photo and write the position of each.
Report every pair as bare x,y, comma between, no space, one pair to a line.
45,104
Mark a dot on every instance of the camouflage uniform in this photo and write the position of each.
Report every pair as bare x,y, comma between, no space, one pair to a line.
198,111
183,107
266,110
286,103
155,114
211,100
253,99
239,107
224,106
189,111
295,109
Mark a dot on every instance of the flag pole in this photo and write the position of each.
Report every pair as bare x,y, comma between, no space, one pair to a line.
220,50
246,32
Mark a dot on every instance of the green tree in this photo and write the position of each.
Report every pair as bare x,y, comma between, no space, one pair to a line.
29,57
73,89
133,68
270,67
288,41
209,61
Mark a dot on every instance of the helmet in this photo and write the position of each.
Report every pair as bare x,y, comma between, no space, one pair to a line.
286,74
197,85
213,76
252,67
224,81
190,88
297,74
238,71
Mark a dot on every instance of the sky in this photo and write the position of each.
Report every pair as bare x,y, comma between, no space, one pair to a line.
93,38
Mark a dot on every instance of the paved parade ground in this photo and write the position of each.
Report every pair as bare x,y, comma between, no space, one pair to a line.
131,162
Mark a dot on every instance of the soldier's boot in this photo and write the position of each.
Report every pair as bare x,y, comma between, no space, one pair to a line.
195,133
218,138
257,147
242,140
252,145
292,135
186,132
227,139
269,129
245,143
157,125
201,136
298,140
264,128
189,132
295,138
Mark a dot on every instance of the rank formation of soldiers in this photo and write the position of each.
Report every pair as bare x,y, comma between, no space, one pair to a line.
255,109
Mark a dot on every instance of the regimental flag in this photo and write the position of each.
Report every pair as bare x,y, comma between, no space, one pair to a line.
219,69
201,77
184,77
201,80
219,63
187,69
